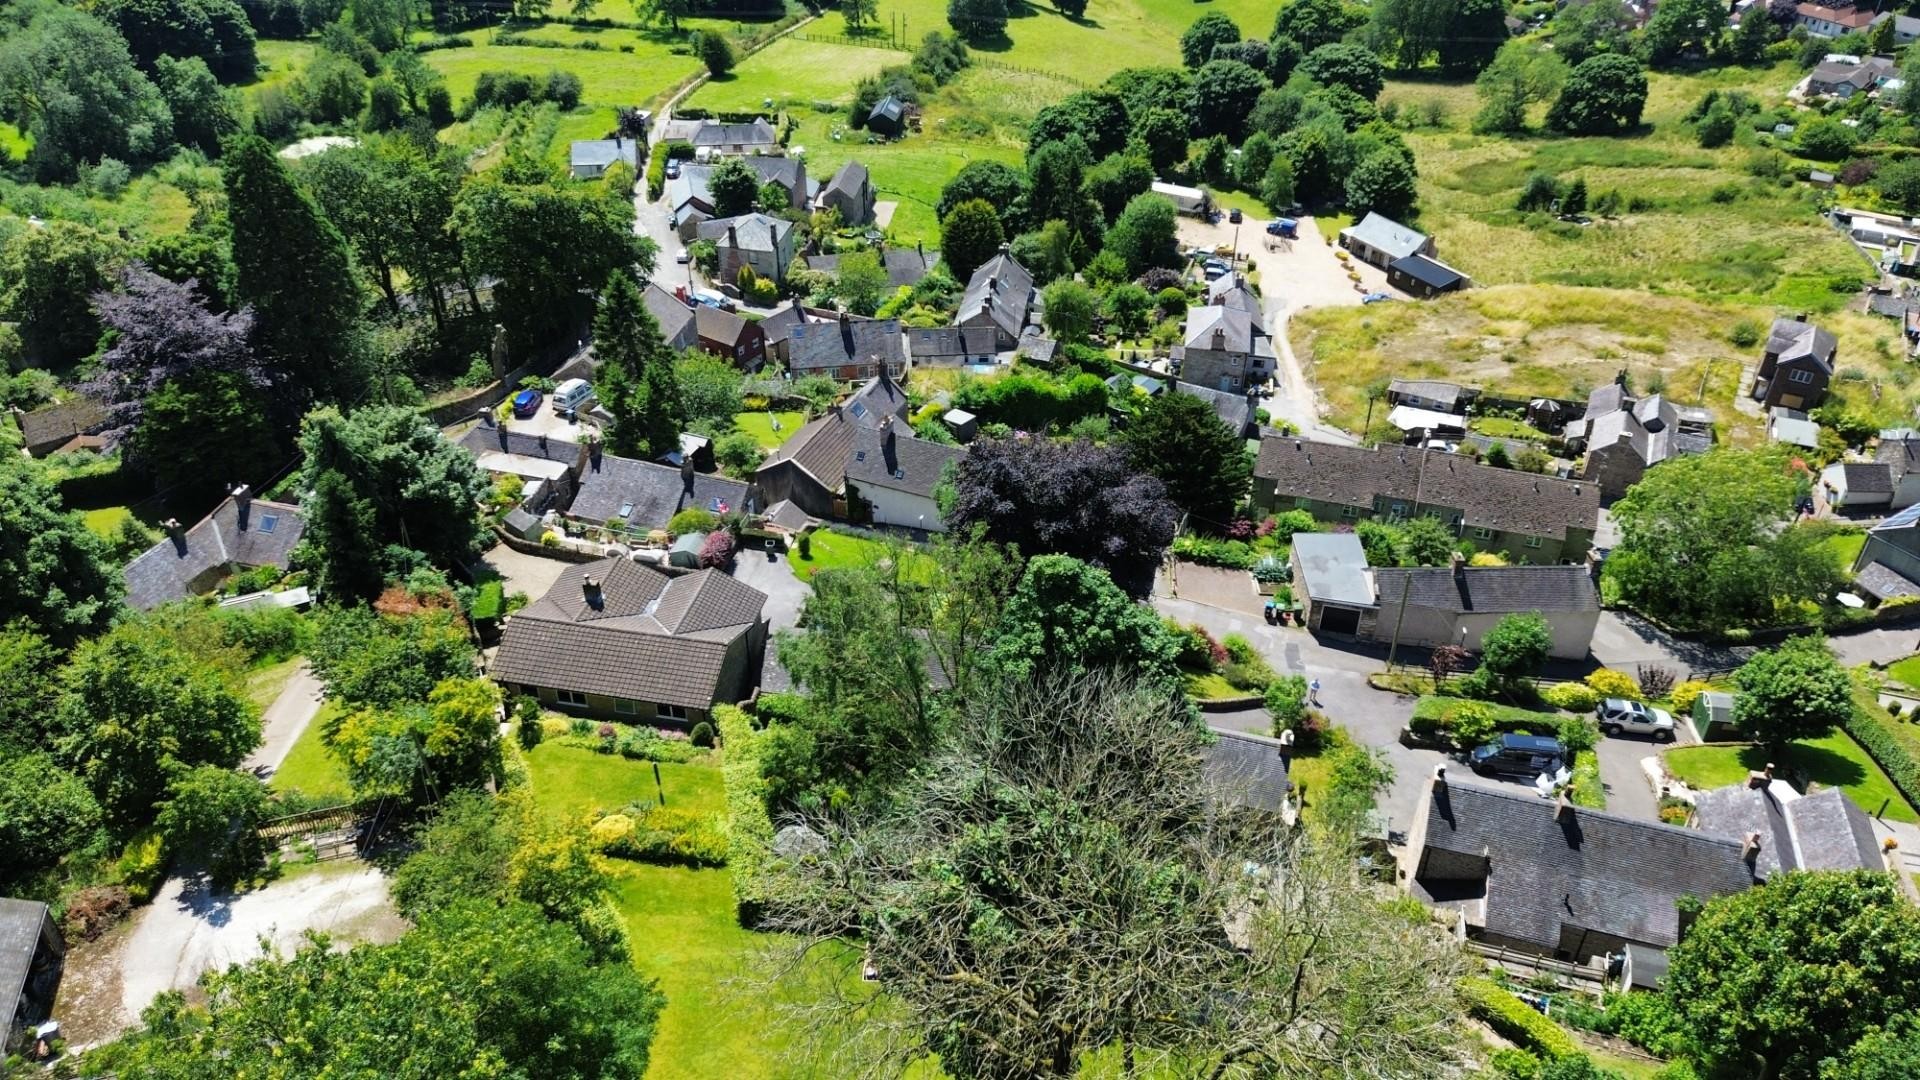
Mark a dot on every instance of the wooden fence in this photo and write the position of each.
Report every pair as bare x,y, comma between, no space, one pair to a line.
333,832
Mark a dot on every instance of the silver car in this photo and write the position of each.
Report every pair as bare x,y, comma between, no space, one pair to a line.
1618,716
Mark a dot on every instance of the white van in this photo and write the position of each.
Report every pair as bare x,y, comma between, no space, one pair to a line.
571,395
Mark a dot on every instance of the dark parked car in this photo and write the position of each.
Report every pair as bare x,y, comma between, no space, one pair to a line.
1234,215
526,403
1521,757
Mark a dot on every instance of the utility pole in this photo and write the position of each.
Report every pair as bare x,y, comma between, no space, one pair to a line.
1406,587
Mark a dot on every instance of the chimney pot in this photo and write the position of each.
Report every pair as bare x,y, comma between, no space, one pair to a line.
590,588
1562,809
1750,848
1440,776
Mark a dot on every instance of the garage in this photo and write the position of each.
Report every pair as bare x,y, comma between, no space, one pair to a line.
1339,620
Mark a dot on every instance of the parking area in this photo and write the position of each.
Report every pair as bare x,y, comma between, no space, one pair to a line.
1295,274
545,421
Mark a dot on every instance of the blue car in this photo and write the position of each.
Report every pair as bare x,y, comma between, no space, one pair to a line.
1375,298
526,403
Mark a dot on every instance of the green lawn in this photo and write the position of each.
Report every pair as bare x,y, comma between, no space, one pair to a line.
572,780
1211,687
760,426
265,683
309,768
106,520
794,72
838,551
1906,672
1845,547
1833,761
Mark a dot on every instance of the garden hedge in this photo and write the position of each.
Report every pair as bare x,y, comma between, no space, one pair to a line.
1887,751
1433,714
749,826
1516,1021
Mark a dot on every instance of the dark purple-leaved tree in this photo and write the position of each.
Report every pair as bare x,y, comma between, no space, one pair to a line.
1066,498
184,393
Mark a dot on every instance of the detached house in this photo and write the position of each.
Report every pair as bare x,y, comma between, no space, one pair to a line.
590,158
1823,831
999,297
644,495
1843,77
1838,21
849,191
727,335
1225,349
621,641
712,138
692,189
757,240
1379,240
675,318
242,533
1889,562
1623,436
1796,366
1528,517
1561,881
860,462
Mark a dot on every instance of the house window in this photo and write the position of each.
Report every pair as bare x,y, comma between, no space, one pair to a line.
623,706
1234,362
670,712
1800,375
1350,511
739,350
573,698
1482,534
1301,502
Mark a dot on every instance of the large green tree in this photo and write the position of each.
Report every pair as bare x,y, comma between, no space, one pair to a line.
204,113
1680,27
636,380
45,813
978,20
1794,691
1207,33
138,706
418,752
969,235
734,187
1774,980
1224,94
1522,74
48,277
1143,236
411,494
68,79
1069,618
214,31
54,572
293,267
1383,181
552,248
1179,438
1604,94
1348,65
1709,541
1587,28
1313,23
388,661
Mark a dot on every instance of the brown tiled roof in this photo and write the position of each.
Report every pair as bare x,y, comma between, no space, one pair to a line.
822,448
55,424
1506,500
647,638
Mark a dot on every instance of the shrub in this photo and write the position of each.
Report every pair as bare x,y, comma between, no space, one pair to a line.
692,520
1516,1021
612,830
806,545
143,864
489,602
1578,733
1609,683
645,744
702,735
1648,1021
1286,701
1656,682
1685,694
554,727
1473,723
717,549
750,827
1886,750
1571,696
1207,551
1239,649
663,834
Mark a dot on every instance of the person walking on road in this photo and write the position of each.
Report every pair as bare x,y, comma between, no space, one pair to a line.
1313,693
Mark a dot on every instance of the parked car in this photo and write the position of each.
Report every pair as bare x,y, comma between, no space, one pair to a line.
1375,298
1618,716
680,256
526,403
1233,216
673,168
571,396
1285,227
1521,757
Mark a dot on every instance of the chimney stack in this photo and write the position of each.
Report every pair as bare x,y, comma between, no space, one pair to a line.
1219,339
1750,849
1761,778
846,321
241,493
686,475
1439,776
1562,809
590,588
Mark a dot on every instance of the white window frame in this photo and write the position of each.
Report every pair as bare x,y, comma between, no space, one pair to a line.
1533,541
571,699
1350,511
625,707
1482,534
670,712
1799,375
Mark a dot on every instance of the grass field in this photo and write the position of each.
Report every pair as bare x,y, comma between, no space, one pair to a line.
309,768
1906,672
838,551
572,781
760,426
106,520
1845,547
1833,761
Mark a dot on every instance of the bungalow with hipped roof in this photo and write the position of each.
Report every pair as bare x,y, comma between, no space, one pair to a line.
712,137
591,158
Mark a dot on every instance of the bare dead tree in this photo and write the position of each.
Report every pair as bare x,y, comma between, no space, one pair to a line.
1060,879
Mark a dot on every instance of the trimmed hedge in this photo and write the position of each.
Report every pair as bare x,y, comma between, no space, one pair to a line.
749,826
1433,714
1516,1021
1885,748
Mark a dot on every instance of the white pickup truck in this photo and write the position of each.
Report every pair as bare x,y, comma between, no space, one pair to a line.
1618,715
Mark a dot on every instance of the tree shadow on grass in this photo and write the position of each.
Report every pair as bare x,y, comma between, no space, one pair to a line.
1818,764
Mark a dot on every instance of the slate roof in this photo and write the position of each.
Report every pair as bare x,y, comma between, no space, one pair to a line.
1899,450
1490,589
714,324
603,152
1792,339
1234,410
753,232
1867,477
1651,425
646,495
674,317
695,180
1248,770
847,181
825,446
1386,235
496,439
1001,289
1431,390
880,396
895,459
55,424
1333,567
1238,330
1428,271
944,342
1883,582
822,346
20,925
1507,500
780,324
887,108
650,638
251,533
1824,831
904,266
1550,866
1036,347
712,133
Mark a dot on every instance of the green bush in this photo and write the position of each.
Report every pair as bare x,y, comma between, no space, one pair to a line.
1648,1021
489,602
642,744
1886,749
1609,683
1461,717
1578,733
749,826
1685,694
702,735
692,520
143,864
1207,551
1571,696
668,835
1515,1021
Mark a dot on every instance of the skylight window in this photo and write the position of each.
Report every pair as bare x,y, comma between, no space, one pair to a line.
268,522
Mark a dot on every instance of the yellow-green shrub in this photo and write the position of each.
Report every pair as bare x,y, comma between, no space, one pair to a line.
1610,683
612,829
1515,1021
1685,694
1571,696
143,864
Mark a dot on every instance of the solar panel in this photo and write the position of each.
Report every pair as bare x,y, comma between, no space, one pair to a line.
267,522
859,455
